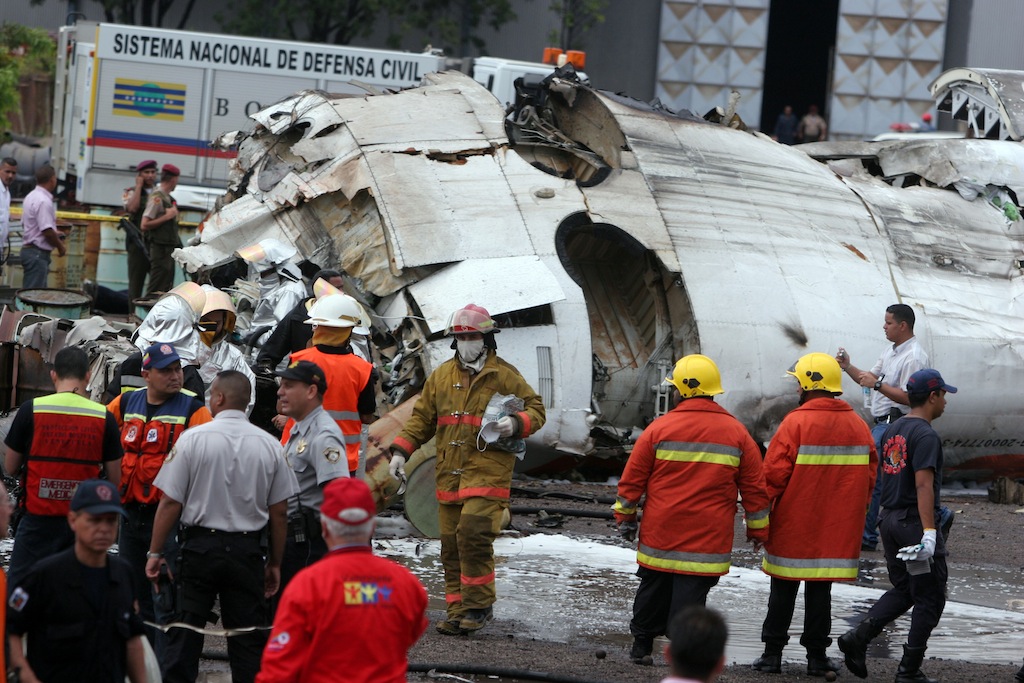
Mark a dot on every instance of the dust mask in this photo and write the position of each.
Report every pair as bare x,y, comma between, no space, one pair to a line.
471,353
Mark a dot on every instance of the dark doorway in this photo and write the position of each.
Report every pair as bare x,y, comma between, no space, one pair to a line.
798,63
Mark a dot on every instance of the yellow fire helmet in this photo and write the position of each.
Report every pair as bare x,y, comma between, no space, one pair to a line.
818,371
696,375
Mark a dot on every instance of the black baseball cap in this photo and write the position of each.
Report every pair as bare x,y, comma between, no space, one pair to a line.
96,496
306,372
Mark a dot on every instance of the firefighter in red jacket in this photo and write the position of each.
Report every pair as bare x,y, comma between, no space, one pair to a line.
821,448
690,462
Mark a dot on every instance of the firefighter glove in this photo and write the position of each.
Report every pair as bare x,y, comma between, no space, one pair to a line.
397,466
506,426
921,551
628,530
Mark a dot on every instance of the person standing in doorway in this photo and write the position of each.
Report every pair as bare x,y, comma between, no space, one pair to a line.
785,126
812,126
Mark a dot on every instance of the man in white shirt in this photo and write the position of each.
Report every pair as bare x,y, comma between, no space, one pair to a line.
888,381
8,169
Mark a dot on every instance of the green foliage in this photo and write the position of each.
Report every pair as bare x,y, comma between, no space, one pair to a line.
454,22
23,51
577,18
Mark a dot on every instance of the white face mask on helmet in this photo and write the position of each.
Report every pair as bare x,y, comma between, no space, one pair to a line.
470,352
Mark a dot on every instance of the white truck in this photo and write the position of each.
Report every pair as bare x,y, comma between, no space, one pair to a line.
127,93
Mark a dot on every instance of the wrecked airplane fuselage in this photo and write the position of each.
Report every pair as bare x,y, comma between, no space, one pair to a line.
610,238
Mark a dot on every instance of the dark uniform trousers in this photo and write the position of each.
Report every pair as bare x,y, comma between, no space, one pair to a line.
132,545
926,593
211,564
304,546
138,268
817,615
37,537
661,595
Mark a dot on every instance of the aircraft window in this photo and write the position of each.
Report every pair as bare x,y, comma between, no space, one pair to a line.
526,317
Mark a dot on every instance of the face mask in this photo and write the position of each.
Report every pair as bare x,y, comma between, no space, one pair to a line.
470,351
208,336
331,336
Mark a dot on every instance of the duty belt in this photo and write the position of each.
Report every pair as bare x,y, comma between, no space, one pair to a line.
196,531
890,417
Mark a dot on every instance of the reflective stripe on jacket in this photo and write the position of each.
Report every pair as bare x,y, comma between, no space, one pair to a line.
67,448
147,442
820,470
347,375
691,463
450,409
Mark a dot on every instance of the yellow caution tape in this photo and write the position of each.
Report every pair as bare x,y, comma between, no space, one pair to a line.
102,218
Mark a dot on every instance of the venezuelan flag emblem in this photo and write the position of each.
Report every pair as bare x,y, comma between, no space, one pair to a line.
163,101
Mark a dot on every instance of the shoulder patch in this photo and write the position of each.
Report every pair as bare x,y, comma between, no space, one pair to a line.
333,455
18,599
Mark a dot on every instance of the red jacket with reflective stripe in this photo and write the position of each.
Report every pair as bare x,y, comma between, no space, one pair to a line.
347,375
820,470
691,462
67,448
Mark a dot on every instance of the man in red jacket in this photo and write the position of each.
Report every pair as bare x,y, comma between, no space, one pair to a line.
691,462
351,616
822,448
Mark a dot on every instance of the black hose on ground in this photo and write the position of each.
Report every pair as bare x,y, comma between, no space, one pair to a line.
539,493
531,510
496,671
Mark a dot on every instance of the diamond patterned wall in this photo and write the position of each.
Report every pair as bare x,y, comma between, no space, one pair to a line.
709,48
887,53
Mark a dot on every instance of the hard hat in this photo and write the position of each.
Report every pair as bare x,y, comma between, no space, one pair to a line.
336,310
217,301
270,251
193,294
322,288
696,375
818,371
469,319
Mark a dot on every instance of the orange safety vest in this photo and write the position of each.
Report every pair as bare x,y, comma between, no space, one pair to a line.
67,448
347,375
691,462
146,444
820,470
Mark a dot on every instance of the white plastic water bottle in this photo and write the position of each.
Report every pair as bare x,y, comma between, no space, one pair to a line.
867,397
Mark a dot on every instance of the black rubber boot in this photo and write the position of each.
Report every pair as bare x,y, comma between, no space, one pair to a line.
854,645
819,664
640,653
909,670
769,663
1019,676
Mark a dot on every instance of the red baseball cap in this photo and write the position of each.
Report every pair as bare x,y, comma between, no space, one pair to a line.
349,501
171,169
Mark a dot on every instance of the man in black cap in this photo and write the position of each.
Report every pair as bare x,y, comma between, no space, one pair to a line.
76,607
135,200
160,227
911,466
315,450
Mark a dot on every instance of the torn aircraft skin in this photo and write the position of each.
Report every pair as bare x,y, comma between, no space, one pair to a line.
609,238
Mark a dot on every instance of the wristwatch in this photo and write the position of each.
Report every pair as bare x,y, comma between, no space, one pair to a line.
154,556
878,385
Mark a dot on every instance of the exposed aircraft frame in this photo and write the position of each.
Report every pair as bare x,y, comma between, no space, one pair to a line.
612,237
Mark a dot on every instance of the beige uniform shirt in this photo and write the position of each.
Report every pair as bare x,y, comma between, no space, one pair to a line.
226,474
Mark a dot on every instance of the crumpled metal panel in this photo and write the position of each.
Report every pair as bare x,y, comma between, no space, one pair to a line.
988,99
498,284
